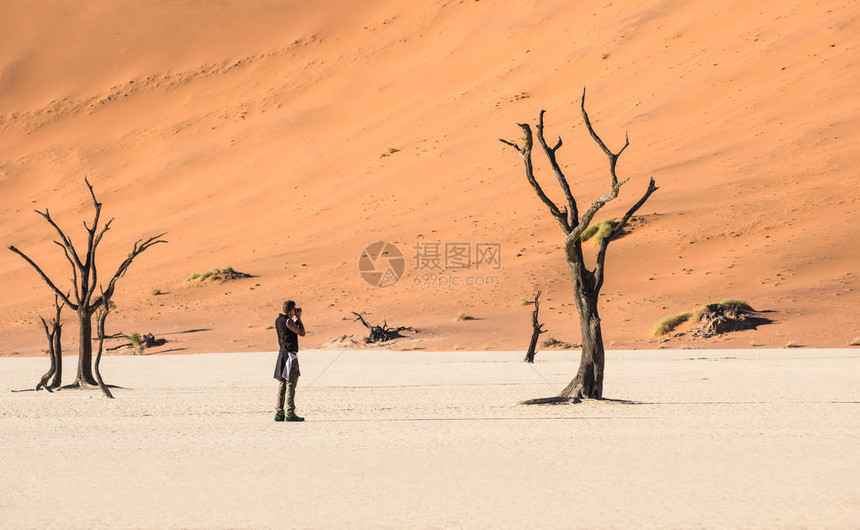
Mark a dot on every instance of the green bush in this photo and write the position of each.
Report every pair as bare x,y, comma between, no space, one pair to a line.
598,231
136,343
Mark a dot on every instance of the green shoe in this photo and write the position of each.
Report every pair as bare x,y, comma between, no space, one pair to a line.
279,417
292,417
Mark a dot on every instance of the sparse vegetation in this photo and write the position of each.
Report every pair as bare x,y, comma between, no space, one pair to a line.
668,324
598,231
728,303
552,342
136,343
156,292
391,151
855,342
464,316
740,304
703,310
140,342
793,344
722,317
218,275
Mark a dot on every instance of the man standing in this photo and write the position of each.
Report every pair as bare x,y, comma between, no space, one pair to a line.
289,327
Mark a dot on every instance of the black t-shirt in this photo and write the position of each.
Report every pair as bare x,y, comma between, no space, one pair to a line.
287,338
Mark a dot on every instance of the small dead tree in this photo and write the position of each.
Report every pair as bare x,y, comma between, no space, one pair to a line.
84,280
588,382
381,333
100,331
537,329
53,332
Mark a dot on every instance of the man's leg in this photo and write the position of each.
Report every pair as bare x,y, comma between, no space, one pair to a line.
282,391
291,398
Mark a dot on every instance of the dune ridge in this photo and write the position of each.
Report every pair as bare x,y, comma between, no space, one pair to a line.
254,134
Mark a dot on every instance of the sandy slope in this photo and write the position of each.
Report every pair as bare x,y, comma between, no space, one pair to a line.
253,132
711,438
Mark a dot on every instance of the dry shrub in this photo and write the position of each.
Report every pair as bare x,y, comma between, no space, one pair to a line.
552,342
218,275
723,317
669,323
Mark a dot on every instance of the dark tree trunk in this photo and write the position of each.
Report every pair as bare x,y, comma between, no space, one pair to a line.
537,329
43,382
53,332
588,382
85,350
57,352
100,330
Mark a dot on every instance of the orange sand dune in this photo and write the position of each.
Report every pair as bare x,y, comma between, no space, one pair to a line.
282,138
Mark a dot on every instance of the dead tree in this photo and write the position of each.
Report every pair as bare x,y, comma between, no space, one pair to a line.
588,382
381,333
537,329
100,331
53,332
84,280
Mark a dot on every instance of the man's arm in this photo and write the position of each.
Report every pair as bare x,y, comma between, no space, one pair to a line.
296,327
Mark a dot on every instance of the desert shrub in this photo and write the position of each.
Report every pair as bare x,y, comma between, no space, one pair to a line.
728,303
551,342
737,304
598,231
464,316
855,342
227,273
136,342
156,292
703,310
669,323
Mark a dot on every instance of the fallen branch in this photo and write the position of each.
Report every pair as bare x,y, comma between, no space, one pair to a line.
381,333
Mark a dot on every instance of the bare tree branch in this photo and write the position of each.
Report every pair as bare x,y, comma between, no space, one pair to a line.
613,157
91,231
140,246
512,144
66,240
562,181
593,209
59,293
604,243
526,154
101,234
